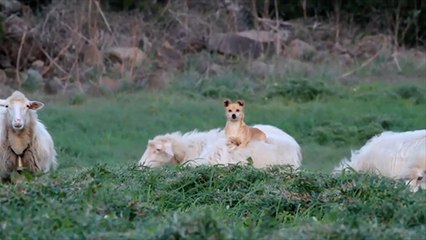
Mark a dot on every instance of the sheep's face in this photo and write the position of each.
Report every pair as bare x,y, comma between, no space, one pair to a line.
18,109
417,181
157,153
234,111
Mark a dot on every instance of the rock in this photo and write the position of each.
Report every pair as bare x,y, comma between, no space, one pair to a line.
299,50
3,77
264,36
109,85
10,6
233,44
370,45
10,79
5,91
15,29
131,56
159,79
286,66
214,69
260,69
38,65
169,57
33,81
92,56
53,86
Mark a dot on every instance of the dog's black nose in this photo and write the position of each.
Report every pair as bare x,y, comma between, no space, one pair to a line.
234,116
19,170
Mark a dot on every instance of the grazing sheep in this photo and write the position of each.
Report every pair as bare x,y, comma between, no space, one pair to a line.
24,140
178,148
205,148
399,155
415,172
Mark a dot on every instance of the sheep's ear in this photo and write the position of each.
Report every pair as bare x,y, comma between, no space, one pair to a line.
241,103
168,148
2,103
226,103
34,105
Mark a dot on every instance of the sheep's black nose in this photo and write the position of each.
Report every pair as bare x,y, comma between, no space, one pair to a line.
234,116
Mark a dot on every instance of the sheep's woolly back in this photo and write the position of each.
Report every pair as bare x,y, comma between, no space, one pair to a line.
391,154
196,142
279,149
207,148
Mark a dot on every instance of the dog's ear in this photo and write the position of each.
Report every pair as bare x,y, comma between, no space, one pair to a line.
241,103
226,103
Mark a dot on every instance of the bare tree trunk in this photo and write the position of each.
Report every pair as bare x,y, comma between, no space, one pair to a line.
304,4
397,24
337,5
254,13
417,3
186,9
277,25
266,9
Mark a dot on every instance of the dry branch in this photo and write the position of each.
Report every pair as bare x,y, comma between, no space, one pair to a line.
18,78
365,63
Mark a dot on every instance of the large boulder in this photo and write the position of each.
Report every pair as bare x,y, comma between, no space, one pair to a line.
300,50
235,45
132,56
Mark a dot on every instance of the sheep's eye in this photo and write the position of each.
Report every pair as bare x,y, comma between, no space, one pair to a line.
419,178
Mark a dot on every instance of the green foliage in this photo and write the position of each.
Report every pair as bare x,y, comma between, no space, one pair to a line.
98,193
380,14
209,203
302,90
2,32
127,5
412,92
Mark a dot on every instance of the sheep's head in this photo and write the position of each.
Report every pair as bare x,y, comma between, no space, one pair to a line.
19,109
158,152
417,180
415,173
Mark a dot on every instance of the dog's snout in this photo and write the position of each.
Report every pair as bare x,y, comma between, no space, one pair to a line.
234,116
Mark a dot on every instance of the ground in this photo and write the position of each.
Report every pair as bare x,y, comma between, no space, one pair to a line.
98,193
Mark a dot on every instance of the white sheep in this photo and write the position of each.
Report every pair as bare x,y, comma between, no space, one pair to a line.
206,148
24,140
399,155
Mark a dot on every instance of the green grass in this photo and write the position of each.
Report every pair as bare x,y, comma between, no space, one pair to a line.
210,203
115,129
96,193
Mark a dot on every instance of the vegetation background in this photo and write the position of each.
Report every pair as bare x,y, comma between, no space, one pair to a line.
332,74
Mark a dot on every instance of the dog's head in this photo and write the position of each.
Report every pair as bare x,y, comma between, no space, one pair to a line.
234,111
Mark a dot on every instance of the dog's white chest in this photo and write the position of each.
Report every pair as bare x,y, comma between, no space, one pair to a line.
232,130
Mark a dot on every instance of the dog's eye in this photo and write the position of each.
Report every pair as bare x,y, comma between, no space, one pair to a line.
229,110
238,110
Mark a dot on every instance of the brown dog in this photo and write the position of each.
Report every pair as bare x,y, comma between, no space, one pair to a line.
237,132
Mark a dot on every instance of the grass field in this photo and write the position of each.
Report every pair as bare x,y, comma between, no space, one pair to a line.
97,193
